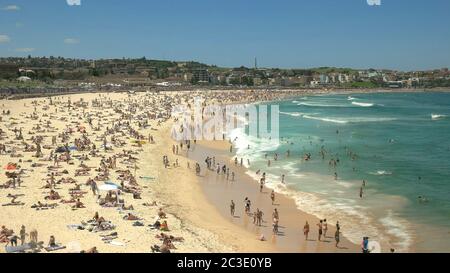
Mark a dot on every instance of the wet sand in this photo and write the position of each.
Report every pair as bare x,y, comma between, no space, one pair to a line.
220,192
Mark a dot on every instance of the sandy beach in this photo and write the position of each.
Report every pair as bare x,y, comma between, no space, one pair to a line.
56,149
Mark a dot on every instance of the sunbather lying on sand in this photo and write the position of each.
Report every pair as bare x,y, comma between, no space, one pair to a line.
90,251
164,236
130,207
41,205
163,249
150,204
53,195
131,217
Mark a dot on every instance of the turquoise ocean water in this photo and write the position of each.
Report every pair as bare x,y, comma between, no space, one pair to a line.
399,143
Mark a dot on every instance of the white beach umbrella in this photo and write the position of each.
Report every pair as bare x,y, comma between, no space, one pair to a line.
108,187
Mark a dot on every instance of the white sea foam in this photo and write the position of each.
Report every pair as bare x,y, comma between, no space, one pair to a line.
326,119
351,98
436,116
398,229
356,220
362,104
381,172
321,105
349,120
293,114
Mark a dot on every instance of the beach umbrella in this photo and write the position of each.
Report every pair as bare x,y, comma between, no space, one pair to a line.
108,187
11,167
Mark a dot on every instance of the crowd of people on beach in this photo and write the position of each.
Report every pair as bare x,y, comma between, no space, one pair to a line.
89,153
93,131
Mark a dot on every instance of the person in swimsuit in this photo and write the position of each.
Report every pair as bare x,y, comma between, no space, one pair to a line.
320,230
232,207
306,230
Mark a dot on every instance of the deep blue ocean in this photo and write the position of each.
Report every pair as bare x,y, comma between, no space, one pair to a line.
399,143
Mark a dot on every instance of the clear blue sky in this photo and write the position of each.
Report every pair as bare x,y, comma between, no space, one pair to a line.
398,34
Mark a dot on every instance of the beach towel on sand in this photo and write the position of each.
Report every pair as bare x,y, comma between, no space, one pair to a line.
18,249
147,177
116,243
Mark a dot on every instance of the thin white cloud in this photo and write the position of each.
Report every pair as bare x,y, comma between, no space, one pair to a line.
73,2
12,8
4,39
71,41
25,49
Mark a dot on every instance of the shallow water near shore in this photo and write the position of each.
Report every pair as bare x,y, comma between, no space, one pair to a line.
397,142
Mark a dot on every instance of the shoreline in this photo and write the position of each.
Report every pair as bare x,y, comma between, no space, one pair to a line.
219,192
197,207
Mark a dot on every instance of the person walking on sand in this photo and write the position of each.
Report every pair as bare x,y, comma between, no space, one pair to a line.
306,230
247,204
275,214
255,216
259,218
94,187
361,192
23,235
272,196
232,208
325,228
320,230
275,226
34,236
337,237
365,245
